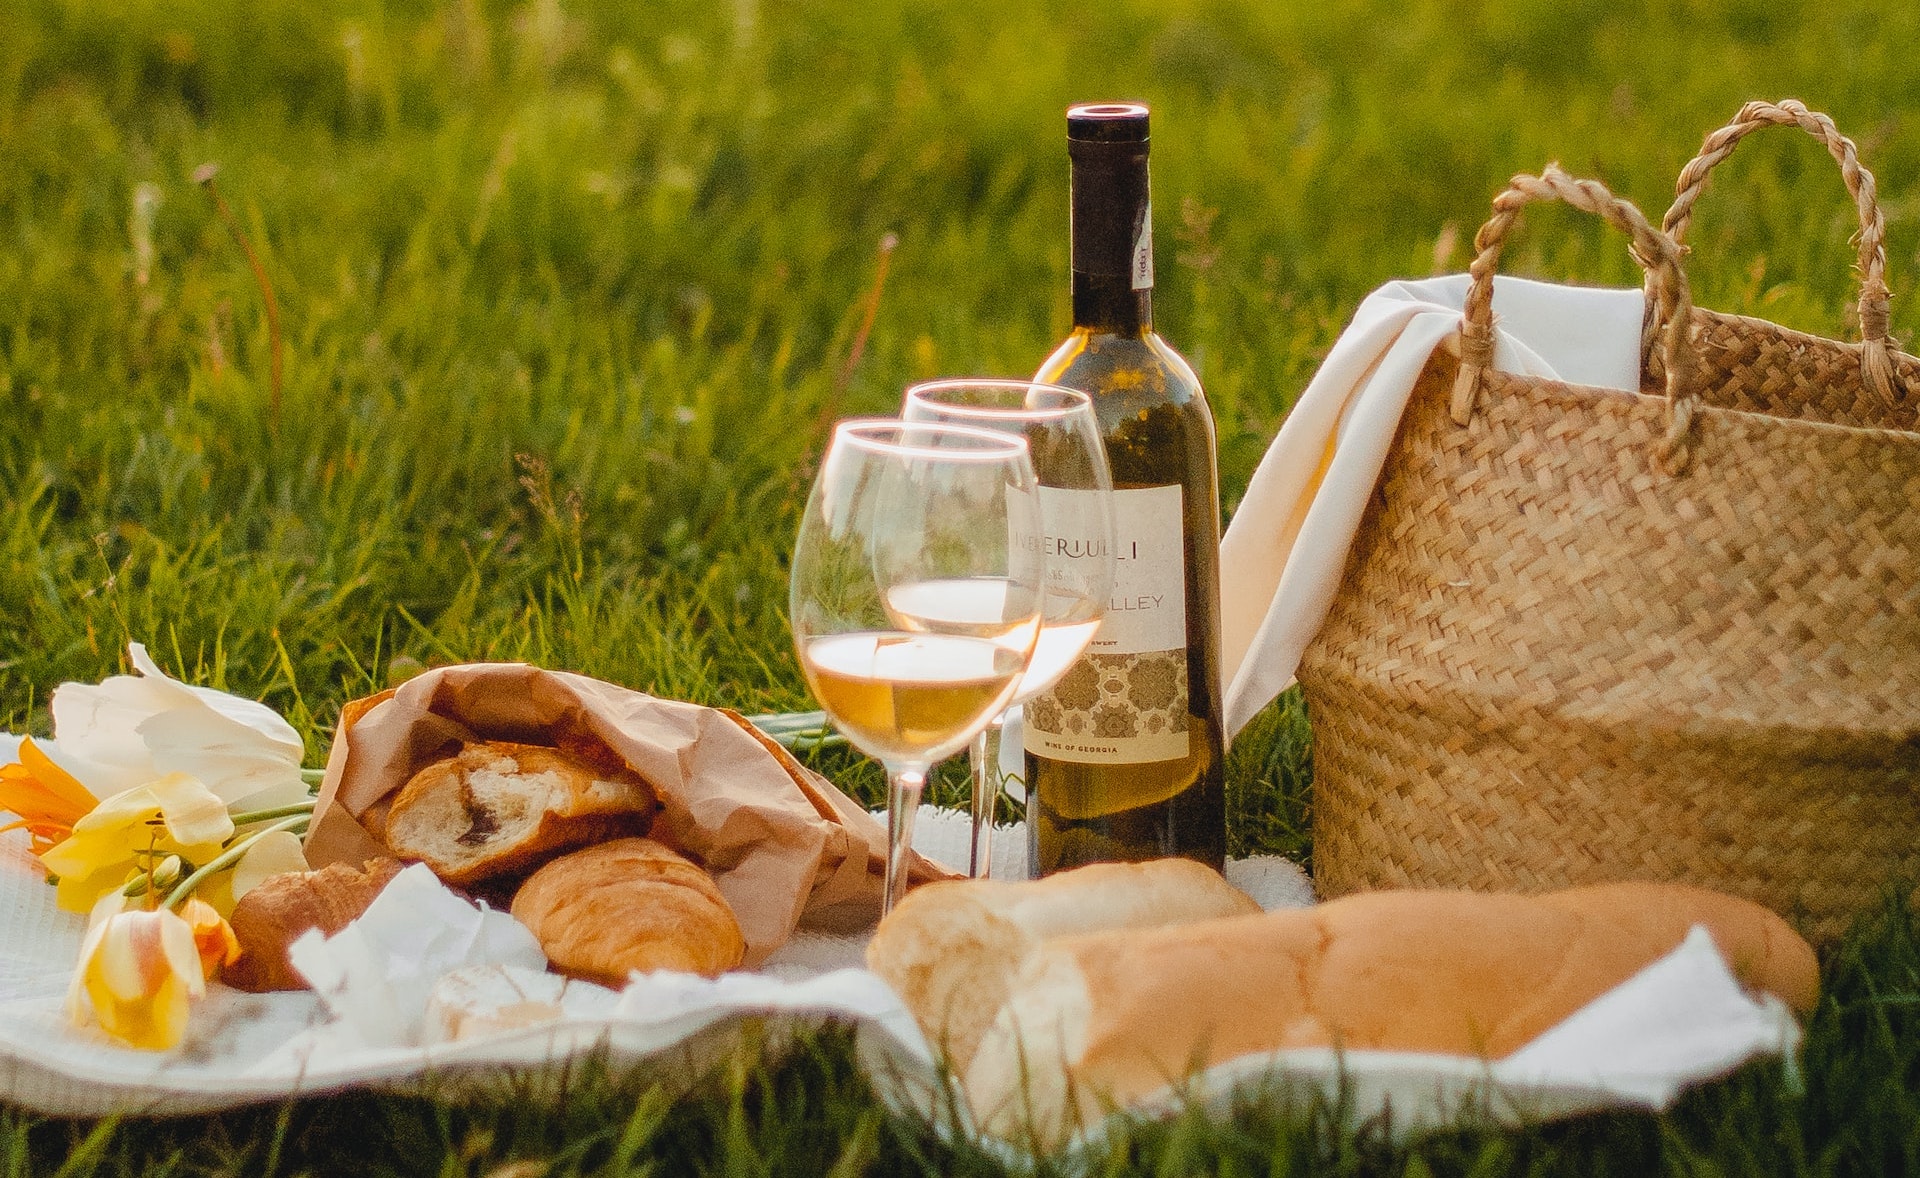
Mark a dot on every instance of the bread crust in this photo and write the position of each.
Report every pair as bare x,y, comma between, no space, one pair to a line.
951,950
629,905
498,809
272,916
1112,1017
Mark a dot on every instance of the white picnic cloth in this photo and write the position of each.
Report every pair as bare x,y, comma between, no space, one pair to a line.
1680,1021
1282,556
1677,1023
249,1047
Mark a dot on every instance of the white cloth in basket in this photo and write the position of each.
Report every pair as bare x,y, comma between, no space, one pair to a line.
1282,557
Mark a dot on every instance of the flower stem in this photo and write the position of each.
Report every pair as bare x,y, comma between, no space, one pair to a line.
203,175
798,731
156,876
226,859
253,816
313,776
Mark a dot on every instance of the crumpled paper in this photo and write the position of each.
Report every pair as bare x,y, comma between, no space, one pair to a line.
378,972
782,843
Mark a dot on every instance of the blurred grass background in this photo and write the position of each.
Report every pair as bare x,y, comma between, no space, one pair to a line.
567,288
634,243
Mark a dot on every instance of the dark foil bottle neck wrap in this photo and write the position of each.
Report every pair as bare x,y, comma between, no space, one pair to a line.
1112,222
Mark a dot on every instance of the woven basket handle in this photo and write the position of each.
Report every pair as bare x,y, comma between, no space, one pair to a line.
1654,249
1876,361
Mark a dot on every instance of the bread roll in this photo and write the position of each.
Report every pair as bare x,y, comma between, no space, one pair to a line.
272,916
500,809
631,904
951,950
1102,1020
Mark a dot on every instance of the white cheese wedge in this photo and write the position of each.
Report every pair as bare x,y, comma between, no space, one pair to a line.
481,1000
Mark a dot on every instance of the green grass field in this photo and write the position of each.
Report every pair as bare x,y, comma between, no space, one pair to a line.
567,290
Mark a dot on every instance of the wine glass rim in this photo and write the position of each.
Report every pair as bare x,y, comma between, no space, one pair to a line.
995,413
988,445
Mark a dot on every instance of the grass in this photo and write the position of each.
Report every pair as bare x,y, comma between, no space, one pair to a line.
566,290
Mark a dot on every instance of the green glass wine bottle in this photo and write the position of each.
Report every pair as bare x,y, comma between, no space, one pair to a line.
1125,755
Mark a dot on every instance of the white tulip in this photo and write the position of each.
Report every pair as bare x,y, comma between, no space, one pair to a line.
131,729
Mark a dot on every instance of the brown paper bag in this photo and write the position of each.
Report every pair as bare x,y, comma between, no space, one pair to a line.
783,844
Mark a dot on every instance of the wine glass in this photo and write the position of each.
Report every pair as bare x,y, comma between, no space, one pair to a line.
899,505
1076,516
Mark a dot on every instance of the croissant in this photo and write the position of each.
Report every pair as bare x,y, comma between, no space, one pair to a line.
273,915
629,905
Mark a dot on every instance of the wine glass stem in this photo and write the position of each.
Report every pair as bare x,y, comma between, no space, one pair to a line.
986,792
903,803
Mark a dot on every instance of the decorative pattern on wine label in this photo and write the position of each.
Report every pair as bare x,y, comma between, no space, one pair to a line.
1113,709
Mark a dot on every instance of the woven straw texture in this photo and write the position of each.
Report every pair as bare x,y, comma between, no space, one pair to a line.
1592,635
1763,368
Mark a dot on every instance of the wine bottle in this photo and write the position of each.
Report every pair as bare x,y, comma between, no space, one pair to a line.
1125,755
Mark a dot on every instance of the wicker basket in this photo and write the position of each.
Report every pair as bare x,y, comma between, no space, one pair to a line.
1589,635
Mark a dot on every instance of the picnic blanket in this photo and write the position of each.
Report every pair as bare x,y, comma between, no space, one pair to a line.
1681,1021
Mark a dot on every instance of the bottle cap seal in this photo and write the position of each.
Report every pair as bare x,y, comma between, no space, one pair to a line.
1107,122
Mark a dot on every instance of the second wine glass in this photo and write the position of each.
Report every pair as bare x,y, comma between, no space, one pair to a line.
1075,541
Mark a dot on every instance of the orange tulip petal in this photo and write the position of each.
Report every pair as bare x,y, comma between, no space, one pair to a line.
78,798
22,794
212,937
47,799
44,835
26,797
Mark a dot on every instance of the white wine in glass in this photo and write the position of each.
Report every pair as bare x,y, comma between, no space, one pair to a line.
903,696
1075,542
897,505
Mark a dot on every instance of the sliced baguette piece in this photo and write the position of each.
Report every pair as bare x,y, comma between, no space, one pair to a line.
500,809
1101,1020
951,950
626,906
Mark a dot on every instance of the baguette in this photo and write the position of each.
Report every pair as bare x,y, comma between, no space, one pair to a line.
629,905
951,950
1101,1020
272,916
499,809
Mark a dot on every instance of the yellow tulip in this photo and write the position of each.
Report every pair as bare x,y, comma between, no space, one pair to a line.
131,832
139,972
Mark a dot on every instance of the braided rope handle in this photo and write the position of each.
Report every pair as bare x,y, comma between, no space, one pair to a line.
1876,361
1654,249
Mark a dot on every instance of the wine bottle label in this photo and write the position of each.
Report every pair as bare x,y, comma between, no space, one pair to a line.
1142,267
1125,700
